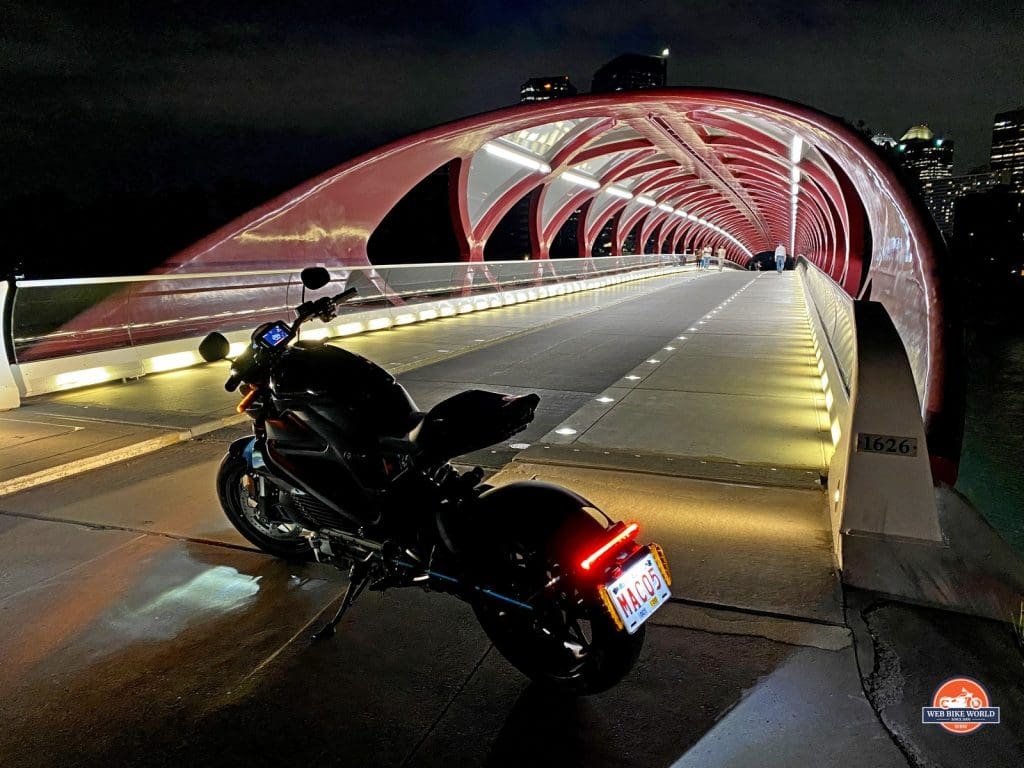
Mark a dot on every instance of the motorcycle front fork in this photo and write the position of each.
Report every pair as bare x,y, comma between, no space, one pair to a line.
256,486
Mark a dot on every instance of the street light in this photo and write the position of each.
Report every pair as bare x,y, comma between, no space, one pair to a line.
664,52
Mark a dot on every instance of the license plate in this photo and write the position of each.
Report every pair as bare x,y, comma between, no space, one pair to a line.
638,592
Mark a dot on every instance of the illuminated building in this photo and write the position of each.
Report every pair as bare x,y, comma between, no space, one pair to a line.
1008,146
925,155
631,72
940,195
545,89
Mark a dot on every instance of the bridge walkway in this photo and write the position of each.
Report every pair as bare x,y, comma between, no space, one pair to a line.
57,435
135,610
691,403
717,443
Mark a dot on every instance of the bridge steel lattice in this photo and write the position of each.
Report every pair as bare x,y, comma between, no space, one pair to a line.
681,168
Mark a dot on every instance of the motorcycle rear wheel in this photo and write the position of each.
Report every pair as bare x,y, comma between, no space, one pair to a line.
243,512
572,645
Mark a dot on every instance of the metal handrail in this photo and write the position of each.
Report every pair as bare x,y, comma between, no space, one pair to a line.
73,316
157,277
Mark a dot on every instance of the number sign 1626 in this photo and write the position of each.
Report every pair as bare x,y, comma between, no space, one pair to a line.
894,445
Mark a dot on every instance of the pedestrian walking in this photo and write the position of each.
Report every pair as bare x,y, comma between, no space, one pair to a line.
721,258
780,258
706,257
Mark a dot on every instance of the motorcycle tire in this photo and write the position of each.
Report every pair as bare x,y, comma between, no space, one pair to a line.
242,512
574,647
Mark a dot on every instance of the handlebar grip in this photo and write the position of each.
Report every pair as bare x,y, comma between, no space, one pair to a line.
232,383
346,294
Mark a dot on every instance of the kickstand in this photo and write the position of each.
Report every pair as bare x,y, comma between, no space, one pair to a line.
358,578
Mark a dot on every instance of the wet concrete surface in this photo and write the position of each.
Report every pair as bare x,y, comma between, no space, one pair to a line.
162,652
137,630
151,651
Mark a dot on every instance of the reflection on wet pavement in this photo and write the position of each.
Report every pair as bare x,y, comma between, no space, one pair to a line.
151,651
220,589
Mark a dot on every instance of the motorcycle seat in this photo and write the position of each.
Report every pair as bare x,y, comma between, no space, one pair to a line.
464,422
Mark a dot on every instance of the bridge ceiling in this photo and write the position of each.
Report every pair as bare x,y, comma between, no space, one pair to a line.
750,170
747,180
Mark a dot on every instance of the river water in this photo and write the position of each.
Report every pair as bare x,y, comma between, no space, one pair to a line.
992,468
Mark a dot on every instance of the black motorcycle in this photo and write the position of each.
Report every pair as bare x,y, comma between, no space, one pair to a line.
342,467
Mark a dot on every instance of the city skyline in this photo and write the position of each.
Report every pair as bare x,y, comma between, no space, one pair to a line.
135,99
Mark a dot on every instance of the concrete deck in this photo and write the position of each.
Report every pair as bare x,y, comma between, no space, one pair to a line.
139,629
725,476
53,436
739,386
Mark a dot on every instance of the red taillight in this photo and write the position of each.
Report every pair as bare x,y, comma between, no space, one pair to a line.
620,537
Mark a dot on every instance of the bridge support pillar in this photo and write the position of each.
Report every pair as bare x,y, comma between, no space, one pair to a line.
880,475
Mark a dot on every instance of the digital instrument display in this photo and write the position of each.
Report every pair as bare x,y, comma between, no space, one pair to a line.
275,335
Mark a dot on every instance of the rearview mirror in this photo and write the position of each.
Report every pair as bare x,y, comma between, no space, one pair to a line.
214,347
315,277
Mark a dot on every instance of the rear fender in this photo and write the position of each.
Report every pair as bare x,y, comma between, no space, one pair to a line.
563,521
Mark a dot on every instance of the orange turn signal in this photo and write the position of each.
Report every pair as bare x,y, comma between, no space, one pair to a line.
248,398
659,556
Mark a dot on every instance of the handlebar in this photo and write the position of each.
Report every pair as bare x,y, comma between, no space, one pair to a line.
239,368
346,293
325,308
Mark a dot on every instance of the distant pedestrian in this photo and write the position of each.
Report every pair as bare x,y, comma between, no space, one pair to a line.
780,258
721,258
706,257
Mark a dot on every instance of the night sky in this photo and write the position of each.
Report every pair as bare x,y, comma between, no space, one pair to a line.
133,97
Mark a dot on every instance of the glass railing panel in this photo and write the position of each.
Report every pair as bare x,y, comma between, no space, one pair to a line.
65,317
52,320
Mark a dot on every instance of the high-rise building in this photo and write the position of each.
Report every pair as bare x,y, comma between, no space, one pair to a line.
924,154
631,72
940,195
545,89
1008,146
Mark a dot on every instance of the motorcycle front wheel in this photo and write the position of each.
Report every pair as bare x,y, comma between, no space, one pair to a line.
571,644
234,484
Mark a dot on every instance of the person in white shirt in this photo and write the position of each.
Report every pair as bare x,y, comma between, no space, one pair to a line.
780,258
721,258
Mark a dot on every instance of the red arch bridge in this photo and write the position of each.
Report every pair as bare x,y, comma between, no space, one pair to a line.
673,170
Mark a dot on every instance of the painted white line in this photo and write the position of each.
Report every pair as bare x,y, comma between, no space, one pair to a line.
78,466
